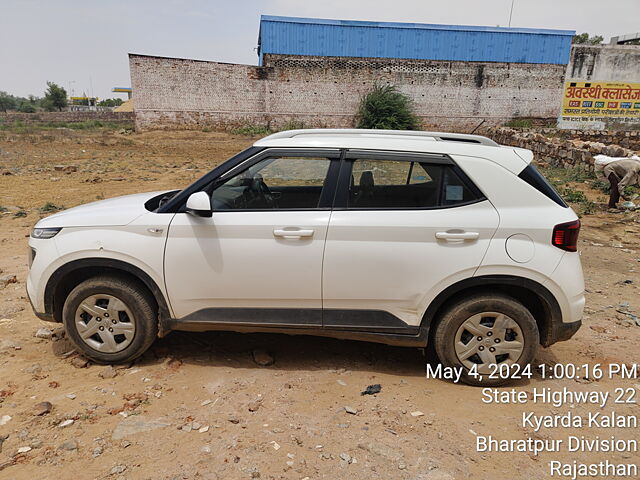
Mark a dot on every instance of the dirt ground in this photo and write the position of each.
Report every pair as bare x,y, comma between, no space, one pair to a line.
198,406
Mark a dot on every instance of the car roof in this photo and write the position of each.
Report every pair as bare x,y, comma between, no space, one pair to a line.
512,158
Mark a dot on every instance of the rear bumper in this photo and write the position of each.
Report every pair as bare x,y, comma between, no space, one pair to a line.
564,331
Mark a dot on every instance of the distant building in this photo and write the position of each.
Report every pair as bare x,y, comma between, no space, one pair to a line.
315,71
417,41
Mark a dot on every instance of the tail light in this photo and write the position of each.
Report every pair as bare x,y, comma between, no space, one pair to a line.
565,236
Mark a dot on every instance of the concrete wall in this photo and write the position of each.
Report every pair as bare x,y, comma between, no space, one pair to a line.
614,66
321,91
604,63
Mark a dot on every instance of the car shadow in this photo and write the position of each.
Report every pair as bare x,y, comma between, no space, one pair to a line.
290,352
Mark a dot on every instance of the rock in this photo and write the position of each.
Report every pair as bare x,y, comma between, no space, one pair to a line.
42,408
206,449
204,429
71,396
7,345
136,424
66,423
342,382
262,357
44,333
65,168
234,420
381,450
36,443
346,457
372,389
125,444
205,403
7,279
351,410
58,333
255,405
69,445
108,372
417,413
276,445
2,439
79,362
4,419
186,428
97,452
24,449
118,469
34,369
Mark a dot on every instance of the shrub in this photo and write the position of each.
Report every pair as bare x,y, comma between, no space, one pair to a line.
519,123
51,207
387,108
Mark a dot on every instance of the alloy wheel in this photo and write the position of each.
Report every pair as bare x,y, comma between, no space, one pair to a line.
105,323
488,338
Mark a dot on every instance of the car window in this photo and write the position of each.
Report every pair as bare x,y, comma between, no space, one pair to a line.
274,183
405,184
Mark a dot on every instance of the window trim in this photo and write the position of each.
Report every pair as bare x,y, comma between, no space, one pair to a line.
341,201
334,155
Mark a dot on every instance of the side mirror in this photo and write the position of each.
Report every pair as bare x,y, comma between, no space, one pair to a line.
199,204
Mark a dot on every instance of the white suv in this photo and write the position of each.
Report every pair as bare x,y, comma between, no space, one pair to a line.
404,238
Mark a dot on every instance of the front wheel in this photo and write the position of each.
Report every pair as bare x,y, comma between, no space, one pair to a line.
483,330
110,319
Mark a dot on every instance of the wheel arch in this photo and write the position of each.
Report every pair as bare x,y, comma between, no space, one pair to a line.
71,274
533,295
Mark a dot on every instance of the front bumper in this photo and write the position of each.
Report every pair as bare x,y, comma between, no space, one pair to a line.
47,317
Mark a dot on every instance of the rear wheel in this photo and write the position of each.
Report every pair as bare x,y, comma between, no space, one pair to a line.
110,319
484,330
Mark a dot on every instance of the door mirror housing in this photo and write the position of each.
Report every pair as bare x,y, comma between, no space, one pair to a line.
199,205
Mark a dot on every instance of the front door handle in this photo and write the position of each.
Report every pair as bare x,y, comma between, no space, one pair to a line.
296,233
457,236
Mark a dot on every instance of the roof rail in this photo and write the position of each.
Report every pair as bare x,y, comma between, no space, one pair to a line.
438,136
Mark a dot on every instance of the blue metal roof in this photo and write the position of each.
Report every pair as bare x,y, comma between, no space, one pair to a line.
350,38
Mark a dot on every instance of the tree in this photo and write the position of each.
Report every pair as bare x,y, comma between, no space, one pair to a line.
110,102
55,97
586,39
387,108
26,107
7,102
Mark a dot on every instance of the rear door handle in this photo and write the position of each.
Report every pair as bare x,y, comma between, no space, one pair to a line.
297,233
453,236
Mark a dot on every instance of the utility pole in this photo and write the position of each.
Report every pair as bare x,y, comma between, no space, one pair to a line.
511,12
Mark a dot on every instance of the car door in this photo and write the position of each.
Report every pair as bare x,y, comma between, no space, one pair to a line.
258,259
403,227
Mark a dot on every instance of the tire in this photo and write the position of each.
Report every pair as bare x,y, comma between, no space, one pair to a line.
465,334
110,319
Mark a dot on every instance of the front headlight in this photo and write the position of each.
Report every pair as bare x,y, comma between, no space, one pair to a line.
44,233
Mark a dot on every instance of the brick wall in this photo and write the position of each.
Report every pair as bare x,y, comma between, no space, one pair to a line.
321,91
124,117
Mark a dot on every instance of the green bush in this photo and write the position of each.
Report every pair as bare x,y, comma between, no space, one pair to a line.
51,207
519,123
387,108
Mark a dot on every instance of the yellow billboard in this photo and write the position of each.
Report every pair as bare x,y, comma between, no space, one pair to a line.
601,101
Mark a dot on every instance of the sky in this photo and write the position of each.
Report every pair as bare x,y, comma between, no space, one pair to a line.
82,44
